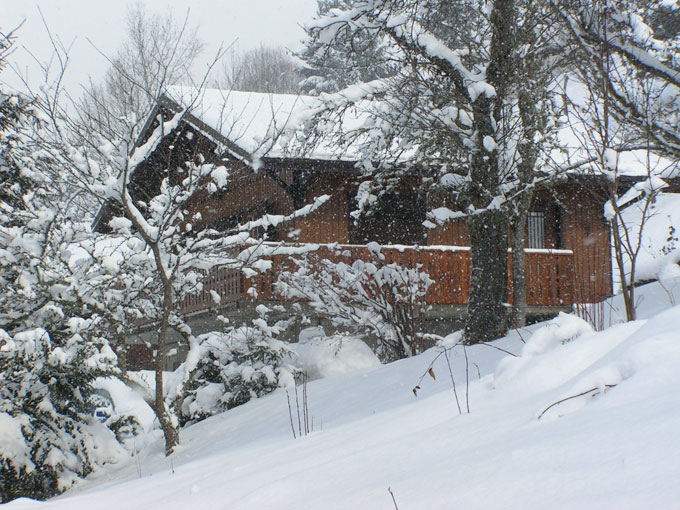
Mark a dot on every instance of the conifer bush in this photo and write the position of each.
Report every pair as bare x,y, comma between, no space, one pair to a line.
225,369
48,436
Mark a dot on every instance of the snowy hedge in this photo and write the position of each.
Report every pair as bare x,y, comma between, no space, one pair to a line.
48,437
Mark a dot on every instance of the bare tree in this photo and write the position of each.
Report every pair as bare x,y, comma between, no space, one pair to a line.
158,51
267,69
630,80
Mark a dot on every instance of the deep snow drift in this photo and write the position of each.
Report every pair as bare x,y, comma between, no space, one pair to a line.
607,436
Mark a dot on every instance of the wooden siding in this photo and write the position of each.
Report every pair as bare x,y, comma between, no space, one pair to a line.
330,223
253,192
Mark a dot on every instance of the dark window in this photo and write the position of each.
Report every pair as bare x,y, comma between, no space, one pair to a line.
397,218
535,230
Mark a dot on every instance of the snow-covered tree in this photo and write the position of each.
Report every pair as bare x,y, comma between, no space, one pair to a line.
450,113
373,297
33,237
328,68
624,96
50,438
619,51
49,355
225,369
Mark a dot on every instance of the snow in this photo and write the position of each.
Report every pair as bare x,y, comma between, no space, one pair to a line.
12,444
615,446
659,254
320,356
251,120
128,402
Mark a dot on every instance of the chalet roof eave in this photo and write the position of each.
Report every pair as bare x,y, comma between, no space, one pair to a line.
171,105
205,129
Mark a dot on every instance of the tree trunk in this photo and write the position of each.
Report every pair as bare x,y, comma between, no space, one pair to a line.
170,430
627,289
519,287
169,427
488,228
486,318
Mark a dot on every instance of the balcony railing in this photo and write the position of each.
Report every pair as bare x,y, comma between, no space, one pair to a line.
549,275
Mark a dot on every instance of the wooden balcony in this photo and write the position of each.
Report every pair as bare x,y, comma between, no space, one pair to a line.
549,274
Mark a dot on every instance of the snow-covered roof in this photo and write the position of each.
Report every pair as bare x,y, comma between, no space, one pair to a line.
253,121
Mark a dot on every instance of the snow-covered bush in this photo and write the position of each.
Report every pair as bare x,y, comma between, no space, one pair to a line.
372,297
319,355
48,436
225,369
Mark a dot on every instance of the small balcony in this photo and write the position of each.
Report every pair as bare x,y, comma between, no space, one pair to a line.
549,275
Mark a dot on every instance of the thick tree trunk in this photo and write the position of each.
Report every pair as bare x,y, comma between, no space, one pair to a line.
519,287
486,318
488,228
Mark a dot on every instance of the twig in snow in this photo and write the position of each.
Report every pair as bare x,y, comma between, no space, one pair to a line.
499,348
591,390
297,405
453,382
520,336
389,489
290,414
467,380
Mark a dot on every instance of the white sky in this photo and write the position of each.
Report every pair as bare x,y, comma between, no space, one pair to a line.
246,22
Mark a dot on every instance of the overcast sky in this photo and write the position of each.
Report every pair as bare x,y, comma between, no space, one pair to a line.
246,22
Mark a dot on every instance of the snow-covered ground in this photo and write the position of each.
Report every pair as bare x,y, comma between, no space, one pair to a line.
615,446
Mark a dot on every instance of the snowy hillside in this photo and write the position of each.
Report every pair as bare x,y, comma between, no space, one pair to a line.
614,446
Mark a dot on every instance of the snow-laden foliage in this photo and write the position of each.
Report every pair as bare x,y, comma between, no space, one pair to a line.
39,286
225,369
49,436
327,67
374,297
15,117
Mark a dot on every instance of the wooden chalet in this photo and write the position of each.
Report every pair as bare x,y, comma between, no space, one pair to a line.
568,253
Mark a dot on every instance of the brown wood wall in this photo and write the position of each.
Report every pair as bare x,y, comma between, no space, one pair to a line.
249,192
585,231
330,223
573,220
